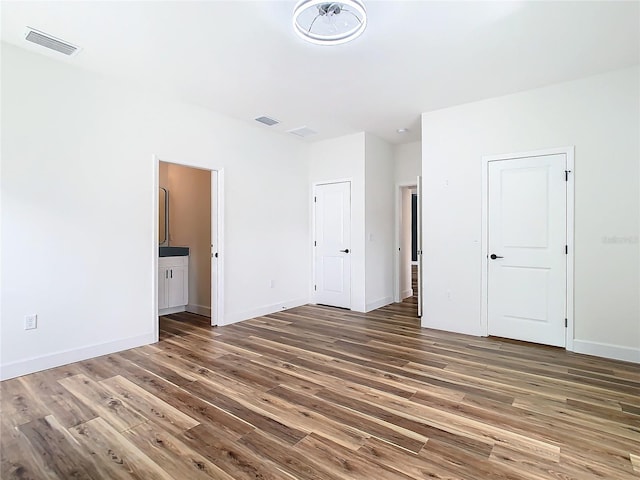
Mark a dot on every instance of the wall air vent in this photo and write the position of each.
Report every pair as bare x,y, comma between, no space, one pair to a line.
52,43
302,132
268,121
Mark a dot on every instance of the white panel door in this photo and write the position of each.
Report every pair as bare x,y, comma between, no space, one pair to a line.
527,257
332,244
419,243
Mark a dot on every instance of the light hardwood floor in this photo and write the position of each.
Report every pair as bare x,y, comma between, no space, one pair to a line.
321,393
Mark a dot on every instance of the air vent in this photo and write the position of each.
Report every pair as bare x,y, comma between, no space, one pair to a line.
302,132
268,121
52,43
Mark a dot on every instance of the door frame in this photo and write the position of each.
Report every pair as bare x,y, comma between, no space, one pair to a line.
217,238
314,185
569,152
400,187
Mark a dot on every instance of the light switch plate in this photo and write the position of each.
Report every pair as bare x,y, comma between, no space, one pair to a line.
30,322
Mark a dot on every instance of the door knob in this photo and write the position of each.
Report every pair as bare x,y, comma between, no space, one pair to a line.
494,256
346,250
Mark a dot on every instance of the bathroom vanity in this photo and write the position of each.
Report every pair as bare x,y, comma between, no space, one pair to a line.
173,280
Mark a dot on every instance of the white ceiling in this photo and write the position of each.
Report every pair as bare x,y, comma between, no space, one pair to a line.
243,59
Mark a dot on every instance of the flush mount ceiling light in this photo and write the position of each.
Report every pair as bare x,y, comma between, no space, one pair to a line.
329,23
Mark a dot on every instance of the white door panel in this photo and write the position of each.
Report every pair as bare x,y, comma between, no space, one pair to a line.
332,244
419,243
527,237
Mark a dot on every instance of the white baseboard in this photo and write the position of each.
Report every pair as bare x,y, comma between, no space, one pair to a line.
36,364
406,294
199,310
259,312
169,311
378,303
616,352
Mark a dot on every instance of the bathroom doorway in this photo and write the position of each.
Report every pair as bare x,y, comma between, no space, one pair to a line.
192,229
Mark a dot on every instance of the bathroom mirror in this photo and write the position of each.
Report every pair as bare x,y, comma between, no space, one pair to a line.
163,223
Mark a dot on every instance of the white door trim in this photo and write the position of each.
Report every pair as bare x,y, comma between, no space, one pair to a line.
569,152
399,190
314,185
217,275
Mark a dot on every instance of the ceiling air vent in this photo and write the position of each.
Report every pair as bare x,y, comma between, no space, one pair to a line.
268,121
302,132
50,42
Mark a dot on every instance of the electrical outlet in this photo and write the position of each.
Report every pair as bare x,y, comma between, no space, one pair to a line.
30,322
272,284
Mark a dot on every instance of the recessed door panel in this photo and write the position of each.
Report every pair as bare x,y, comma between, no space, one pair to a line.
332,282
527,258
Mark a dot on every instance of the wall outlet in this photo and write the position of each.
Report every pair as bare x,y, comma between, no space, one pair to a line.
272,284
30,322
449,295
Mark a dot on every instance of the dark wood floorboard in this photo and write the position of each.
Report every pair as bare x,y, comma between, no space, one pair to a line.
322,393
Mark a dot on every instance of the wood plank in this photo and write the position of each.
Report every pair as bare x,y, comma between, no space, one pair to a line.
173,455
67,409
149,406
18,458
370,426
115,455
296,463
110,408
413,465
235,459
53,443
345,463
18,406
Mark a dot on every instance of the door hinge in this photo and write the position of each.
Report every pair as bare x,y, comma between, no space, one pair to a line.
315,244
566,175
315,287
566,249
315,199
566,323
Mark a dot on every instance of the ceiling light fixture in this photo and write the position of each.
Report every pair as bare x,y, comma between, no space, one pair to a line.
329,23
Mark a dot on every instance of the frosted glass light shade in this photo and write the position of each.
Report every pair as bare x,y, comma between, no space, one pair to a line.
329,23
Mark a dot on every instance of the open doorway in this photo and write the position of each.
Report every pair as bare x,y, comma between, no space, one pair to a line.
189,241
407,285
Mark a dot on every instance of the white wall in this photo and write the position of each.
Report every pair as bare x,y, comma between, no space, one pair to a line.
78,200
379,222
407,158
190,226
343,158
600,116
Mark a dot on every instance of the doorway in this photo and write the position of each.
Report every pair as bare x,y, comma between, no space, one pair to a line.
332,244
193,220
408,228
527,251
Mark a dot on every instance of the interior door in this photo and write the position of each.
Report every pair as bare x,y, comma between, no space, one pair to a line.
419,243
215,247
527,249
332,244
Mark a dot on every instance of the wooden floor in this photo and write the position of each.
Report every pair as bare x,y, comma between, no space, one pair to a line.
321,393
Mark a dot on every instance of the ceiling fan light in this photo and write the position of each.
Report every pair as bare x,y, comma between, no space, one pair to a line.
329,23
